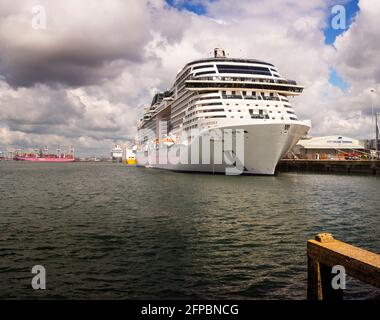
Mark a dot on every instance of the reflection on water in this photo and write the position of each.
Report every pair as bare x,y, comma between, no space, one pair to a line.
110,231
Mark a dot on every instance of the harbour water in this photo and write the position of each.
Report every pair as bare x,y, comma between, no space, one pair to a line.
107,231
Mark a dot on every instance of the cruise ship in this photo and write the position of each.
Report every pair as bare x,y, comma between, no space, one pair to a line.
221,98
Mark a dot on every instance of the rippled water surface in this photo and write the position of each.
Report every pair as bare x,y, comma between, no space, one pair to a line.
105,231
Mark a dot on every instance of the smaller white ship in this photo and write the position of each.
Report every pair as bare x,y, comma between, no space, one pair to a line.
117,153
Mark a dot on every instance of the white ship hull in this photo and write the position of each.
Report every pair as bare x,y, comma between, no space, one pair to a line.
264,145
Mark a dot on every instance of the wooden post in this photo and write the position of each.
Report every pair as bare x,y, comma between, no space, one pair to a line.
320,276
324,253
328,292
314,285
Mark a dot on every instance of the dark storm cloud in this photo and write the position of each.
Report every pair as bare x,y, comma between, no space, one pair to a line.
82,47
28,70
39,106
74,82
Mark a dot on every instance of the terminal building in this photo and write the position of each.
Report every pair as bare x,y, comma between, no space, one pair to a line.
329,148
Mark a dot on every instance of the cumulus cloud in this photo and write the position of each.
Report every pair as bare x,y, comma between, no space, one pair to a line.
357,50
84,42
82,78
85,78
355,58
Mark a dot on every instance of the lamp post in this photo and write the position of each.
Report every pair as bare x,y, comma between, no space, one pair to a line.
376,128
377,133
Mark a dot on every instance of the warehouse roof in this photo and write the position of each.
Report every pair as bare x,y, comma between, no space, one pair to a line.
330,142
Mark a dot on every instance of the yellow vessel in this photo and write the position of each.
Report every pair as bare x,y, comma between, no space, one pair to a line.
130,162
130,156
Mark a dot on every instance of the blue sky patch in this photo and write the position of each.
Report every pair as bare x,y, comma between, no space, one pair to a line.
194,6
336,80
352,9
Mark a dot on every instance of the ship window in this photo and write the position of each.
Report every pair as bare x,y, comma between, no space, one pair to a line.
208,98
203,66
211,104
213,110
215,117
243,69
204,72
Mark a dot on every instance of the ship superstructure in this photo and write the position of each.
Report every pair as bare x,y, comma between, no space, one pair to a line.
222,93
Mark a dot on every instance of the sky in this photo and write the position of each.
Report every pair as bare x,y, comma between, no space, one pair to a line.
81,72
